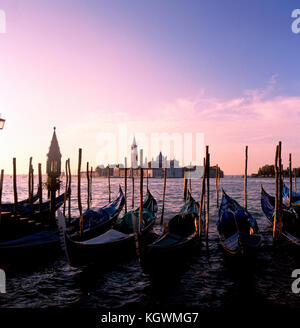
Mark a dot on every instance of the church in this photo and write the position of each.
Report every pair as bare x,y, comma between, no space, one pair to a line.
154,168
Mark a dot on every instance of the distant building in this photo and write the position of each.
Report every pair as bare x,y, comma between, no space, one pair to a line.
154,168
134,154
172,172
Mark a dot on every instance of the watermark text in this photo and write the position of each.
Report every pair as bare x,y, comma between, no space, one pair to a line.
2,22
2,282
296,23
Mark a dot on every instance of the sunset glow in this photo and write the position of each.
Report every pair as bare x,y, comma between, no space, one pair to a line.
159,66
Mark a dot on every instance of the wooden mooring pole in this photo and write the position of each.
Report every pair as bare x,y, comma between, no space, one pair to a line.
66,187
15,187
184,185
40,187
207,192
79,191
132,182
108,168
141,202
291,180
30,186
91,185
276,193
88,185
1,188
217,185
147,179
245,177
280,186
69,189
200,225
29,179
164,196
125,183
295,180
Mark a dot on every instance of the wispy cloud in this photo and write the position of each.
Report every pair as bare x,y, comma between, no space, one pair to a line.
256,118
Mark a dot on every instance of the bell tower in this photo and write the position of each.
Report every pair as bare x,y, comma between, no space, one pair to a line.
53,172
134,154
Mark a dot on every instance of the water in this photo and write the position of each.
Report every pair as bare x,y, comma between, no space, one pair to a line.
207,281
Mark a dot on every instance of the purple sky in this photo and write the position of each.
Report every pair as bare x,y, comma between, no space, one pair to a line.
228,69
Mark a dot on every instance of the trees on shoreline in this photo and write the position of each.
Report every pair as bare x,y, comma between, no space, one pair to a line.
268,171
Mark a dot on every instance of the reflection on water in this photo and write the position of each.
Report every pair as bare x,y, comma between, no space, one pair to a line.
208,278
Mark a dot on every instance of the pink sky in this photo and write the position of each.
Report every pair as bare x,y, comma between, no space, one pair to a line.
57,70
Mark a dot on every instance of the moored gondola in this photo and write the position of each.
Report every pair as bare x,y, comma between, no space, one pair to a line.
238,230
290,218
286,196
29,220
9,207
97,220
178,239
47,241
84,250
29,248
33,211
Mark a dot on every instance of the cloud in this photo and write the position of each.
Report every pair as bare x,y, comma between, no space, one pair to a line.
258,118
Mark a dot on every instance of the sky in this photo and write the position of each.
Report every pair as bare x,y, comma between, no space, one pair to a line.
227,69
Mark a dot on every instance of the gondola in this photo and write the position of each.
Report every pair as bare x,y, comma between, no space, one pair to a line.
32,247
29,221
114,243
26,210
44,242
35,211
9,207
179,237
238,230
290,218
98,219
286,197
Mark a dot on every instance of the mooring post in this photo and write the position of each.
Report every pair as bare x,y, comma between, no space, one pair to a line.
88,184
69,189
125,183
1,187
217,184
141,202
200,225
276,193
147,179
91,186
30,195
132,182
66,187
108,175
280,186
79,191
245,177
15,187
164,195
184,184
295,181
32,185
291,180
40,187
207,191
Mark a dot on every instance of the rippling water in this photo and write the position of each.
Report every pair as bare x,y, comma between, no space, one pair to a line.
207,280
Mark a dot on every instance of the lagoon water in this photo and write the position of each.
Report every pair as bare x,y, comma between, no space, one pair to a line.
208,280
